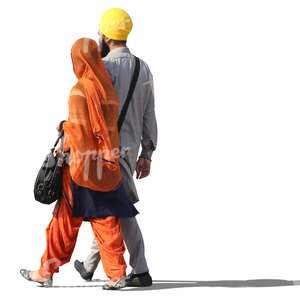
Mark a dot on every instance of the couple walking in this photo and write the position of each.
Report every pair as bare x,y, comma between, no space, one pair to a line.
111,113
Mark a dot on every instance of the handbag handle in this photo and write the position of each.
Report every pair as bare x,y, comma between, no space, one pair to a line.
60,137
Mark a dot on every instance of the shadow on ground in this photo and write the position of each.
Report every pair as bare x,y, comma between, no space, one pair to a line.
254,283
175,284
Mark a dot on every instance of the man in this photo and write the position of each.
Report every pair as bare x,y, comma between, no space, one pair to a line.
139,128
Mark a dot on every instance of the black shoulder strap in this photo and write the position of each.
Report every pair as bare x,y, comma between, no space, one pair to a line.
60,136
130,92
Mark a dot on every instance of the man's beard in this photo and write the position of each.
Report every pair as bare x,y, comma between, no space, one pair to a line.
104,48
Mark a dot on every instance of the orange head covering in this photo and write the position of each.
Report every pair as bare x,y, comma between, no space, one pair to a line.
91,131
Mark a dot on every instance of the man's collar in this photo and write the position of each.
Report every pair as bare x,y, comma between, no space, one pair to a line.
117,52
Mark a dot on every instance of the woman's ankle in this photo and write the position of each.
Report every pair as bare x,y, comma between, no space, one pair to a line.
42,275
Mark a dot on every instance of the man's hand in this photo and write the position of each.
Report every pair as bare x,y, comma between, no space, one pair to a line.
143,166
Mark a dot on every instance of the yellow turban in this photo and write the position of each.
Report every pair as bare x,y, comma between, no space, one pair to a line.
116,24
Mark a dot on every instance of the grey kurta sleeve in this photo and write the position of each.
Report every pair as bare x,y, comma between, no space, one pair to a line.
149,134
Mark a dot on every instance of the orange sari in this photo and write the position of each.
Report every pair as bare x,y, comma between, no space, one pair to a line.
91,131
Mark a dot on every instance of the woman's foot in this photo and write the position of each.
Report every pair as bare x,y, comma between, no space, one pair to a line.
115,284
36,277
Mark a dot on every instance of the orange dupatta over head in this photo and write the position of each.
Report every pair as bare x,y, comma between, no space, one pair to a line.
91,131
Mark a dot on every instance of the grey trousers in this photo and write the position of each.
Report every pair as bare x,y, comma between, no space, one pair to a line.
133,239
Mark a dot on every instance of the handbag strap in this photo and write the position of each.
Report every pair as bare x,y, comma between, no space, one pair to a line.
134,79
61,158
60,136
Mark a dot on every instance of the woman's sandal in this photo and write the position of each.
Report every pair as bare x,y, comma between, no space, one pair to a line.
26,274
115,285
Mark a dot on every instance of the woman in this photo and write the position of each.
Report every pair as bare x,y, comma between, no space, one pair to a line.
92,183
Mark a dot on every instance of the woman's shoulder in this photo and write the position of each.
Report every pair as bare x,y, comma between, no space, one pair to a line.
77,90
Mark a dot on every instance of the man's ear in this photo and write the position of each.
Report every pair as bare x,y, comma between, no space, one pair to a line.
106,40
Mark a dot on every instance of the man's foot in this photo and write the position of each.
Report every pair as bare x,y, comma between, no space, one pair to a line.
36,277
79,266
115,284
139,280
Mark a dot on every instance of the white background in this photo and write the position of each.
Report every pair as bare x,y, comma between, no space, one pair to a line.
222,201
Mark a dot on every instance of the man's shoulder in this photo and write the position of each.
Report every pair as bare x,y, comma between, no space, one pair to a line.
144,66
117,59
112,63
108,60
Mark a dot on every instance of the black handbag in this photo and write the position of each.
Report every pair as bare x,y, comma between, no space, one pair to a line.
48,183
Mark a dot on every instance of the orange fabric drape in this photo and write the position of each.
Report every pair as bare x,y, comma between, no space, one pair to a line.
91,130
62,233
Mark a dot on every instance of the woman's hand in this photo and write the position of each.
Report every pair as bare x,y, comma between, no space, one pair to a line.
57,149
59,127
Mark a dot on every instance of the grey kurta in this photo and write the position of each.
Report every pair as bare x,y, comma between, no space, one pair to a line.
139,127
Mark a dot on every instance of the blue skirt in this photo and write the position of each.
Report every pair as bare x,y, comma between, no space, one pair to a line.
88,203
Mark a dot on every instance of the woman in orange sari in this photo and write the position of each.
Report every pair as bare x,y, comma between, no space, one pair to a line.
92,183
